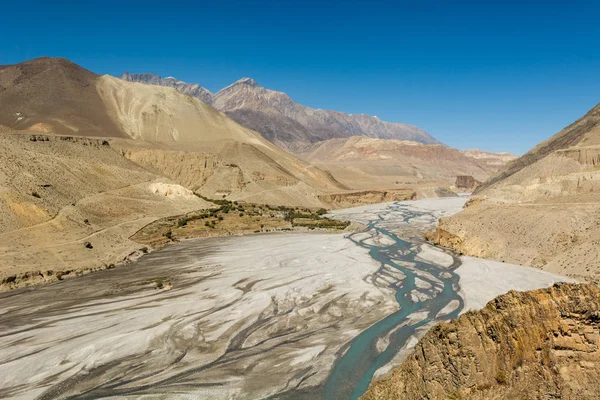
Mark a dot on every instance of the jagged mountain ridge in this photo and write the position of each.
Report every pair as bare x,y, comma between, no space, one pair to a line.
183,87
284,122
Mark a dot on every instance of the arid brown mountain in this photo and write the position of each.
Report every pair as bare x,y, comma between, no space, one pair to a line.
86,161
542,209
158,126
285,123
369,163
53,95
523,345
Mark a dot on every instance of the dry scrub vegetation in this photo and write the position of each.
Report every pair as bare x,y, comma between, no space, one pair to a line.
234,218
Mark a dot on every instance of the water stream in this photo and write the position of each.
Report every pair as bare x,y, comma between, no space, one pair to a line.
353,372
240,319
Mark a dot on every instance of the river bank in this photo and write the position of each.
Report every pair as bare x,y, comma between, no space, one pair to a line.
272,315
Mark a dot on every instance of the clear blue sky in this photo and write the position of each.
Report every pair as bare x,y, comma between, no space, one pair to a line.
498,75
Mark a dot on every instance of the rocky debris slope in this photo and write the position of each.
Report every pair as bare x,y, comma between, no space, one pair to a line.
55,96
284,122
542,210
536,345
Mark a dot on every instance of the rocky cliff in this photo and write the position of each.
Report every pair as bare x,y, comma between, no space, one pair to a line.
466,182
524,345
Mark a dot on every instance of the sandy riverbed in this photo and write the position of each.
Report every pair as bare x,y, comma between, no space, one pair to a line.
246,317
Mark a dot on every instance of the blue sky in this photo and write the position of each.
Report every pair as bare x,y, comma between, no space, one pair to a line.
498,75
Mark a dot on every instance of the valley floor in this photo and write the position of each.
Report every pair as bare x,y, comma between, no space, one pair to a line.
247,317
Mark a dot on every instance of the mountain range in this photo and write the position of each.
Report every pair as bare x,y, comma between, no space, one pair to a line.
282,121
89,161
88,156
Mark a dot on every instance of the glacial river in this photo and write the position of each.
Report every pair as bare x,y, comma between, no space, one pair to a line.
353,372
280,316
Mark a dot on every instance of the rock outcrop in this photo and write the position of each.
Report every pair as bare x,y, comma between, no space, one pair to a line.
523,345
466,182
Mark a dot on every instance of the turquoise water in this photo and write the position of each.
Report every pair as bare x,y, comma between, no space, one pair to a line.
353,372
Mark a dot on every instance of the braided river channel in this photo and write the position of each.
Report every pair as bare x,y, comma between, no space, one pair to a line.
286,315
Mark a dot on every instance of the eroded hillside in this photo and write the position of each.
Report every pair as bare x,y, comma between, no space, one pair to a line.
69,205
542,210
536,345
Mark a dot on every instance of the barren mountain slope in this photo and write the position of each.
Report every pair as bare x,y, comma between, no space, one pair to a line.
53,95
200,147
583,132
371,163
57,193
246,94
523,345
542,210
59,97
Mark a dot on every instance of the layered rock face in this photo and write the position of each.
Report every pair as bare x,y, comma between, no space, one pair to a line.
350,199
370,163
523,345
490,161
